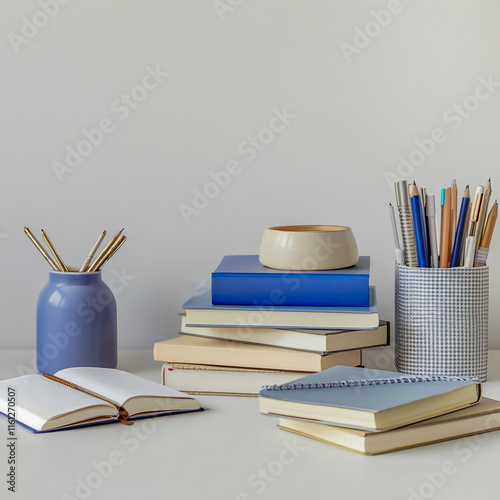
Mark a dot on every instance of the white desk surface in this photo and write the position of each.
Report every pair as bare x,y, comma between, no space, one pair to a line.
233,452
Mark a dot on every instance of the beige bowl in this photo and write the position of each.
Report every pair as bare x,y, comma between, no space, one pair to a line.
308,248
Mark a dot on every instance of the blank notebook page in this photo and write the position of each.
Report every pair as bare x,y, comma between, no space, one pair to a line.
116,384
39,399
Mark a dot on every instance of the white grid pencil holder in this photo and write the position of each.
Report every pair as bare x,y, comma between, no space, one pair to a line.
441,321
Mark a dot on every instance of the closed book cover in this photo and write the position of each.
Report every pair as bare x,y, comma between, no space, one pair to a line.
242,279
204,351
305,340
476,419
201,312
209,380
368,399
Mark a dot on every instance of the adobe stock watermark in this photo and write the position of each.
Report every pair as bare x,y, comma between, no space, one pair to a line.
101,471
11,439
290,282
31,27
364,36
122,107
463,451
86,312
222,7
453,118
263,477
249,149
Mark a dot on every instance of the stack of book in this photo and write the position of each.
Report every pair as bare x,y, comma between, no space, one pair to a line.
374,411
260,326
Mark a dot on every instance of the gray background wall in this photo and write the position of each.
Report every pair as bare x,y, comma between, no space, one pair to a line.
356,105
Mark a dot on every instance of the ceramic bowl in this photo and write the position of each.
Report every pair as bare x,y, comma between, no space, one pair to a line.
308,248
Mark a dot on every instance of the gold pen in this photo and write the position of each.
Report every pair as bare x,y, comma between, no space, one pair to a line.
474,213
42,250
112,251
60,263
484,248
483,212
92,268
90,256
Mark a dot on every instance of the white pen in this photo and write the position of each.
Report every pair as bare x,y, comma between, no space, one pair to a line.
397,244
90,256
400,259
430,209
470,251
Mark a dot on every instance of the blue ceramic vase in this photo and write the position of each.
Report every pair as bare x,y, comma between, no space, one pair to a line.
76,323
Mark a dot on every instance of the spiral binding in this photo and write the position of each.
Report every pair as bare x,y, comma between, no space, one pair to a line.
411,379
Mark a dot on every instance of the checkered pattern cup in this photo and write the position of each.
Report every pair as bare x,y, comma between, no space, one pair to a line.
441,321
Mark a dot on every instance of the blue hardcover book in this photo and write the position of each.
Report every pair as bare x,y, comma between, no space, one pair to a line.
368,399
82,396
201,312
243,280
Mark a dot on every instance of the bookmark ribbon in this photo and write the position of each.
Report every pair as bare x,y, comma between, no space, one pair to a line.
122,412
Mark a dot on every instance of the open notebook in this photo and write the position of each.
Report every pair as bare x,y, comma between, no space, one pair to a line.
86,396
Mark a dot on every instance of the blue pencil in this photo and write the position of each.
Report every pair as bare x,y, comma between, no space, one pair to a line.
457,245
418,223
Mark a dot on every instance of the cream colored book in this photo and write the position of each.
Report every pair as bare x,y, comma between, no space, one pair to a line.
205,351
201,312
84,396
483,417
221,380
319,340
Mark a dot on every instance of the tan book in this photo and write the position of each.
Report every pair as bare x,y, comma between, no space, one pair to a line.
482,417
206,351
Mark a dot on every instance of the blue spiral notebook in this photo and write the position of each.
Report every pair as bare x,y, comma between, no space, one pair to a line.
82,396
368,399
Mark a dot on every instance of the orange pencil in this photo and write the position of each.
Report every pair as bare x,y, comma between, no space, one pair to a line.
446,231
484,247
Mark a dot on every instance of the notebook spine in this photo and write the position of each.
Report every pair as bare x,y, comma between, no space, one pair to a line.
365,382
